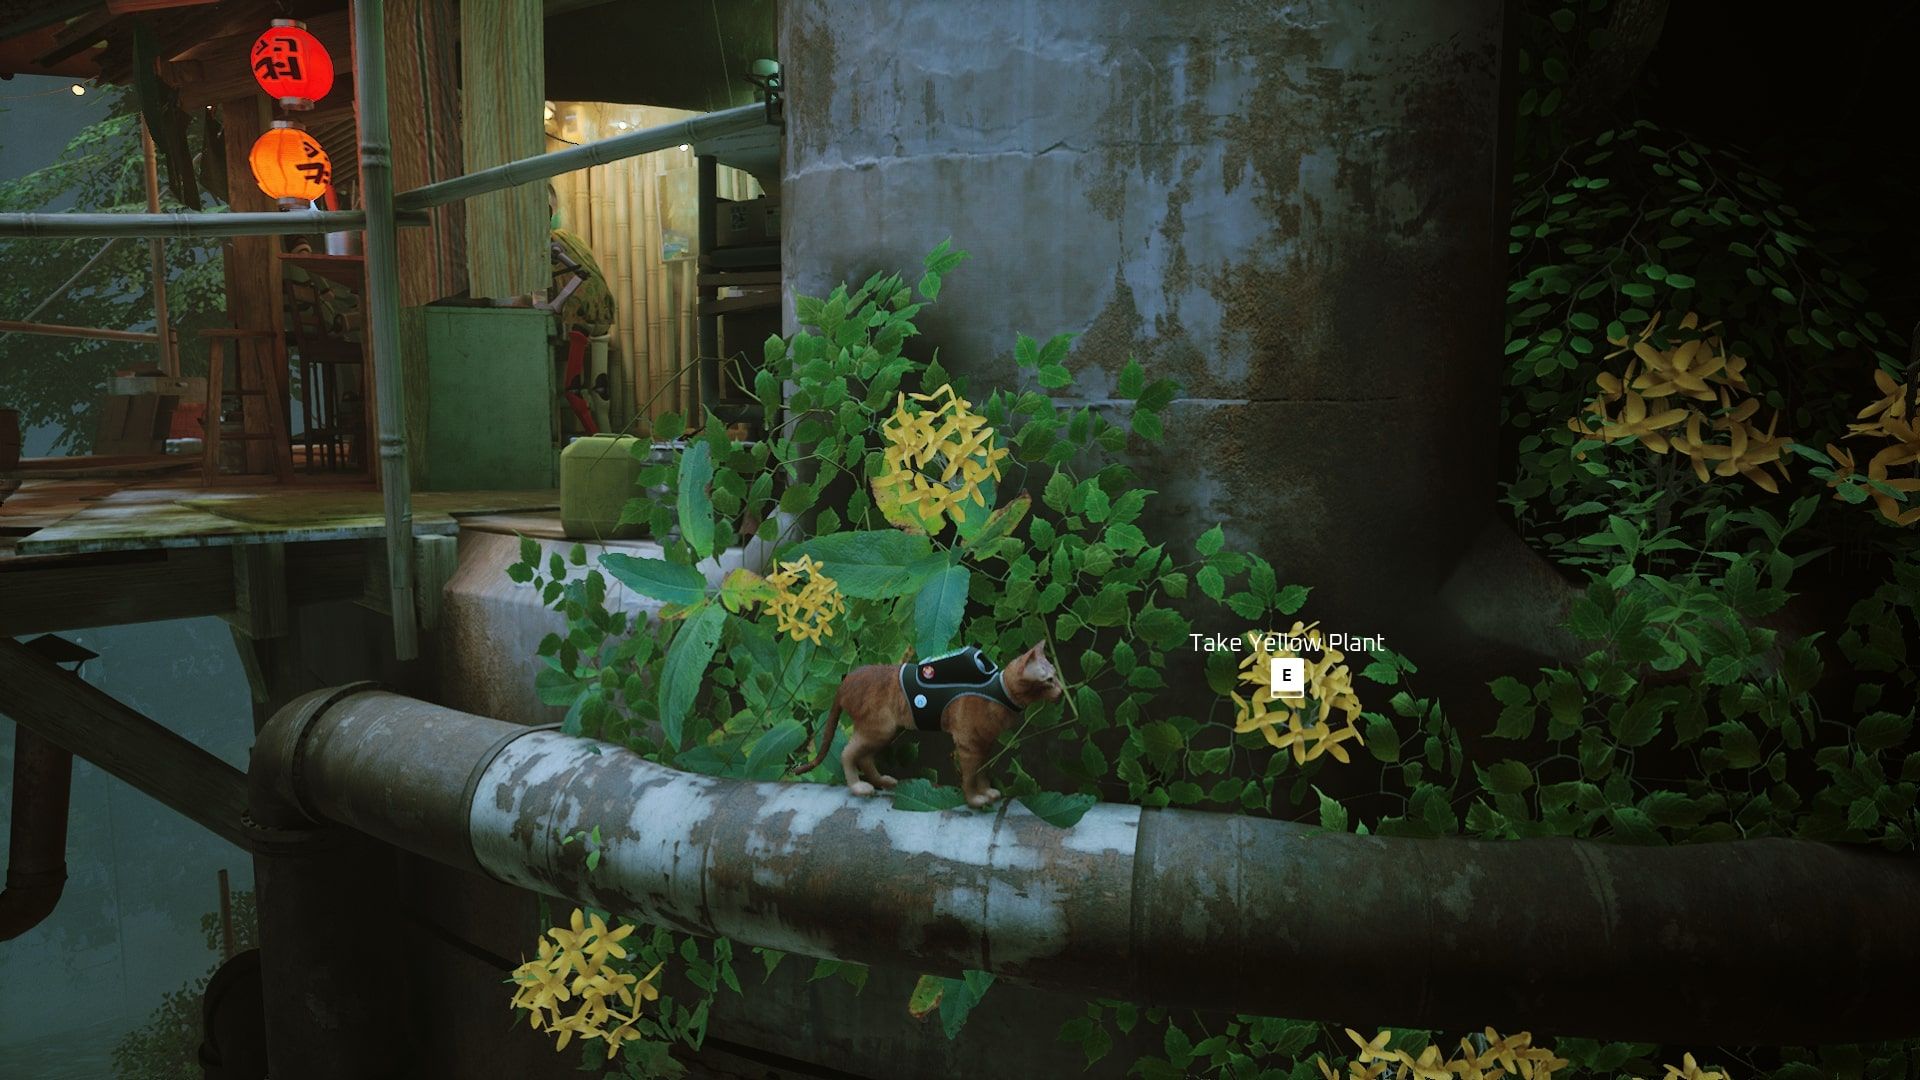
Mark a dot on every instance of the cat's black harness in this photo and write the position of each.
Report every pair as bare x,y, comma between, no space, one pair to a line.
934,683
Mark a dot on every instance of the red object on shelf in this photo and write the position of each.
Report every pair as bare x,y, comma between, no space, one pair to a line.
291,65
187,421
574,380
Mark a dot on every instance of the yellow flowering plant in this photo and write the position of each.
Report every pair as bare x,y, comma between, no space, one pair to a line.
1686,398
1299,725
940,457
572,988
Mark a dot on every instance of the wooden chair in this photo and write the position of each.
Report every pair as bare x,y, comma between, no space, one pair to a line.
258,361
333,428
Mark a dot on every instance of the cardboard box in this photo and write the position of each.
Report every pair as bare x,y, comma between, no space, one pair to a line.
739,224
134,424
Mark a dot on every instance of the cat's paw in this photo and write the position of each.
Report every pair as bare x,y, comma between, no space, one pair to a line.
861,788
993,794
981,802
889,782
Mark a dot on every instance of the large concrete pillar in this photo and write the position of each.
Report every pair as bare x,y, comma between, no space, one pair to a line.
1296,210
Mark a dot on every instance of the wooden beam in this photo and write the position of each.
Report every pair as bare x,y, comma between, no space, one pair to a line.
49,594
260,590
66,710
435,559
72,592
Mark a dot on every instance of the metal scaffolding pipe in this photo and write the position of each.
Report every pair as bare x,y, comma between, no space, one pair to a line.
37,835
544,166
1749,942
383,314
291,222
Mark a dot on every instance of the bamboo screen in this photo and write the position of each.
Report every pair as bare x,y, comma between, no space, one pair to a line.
616,209
426,142
502,71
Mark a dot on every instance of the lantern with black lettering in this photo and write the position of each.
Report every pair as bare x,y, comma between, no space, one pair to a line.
291,65
290,165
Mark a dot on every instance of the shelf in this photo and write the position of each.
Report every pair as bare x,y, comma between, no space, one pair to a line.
348,270
751,257
733,305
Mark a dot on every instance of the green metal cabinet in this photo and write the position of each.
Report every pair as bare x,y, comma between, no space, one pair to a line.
488,416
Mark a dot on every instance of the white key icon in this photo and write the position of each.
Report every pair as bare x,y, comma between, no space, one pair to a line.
1289,676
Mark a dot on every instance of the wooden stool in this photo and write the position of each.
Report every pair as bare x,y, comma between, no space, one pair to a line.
255,350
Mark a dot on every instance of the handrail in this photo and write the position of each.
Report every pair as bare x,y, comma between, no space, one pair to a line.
545,166
12,326
285,223
1777,942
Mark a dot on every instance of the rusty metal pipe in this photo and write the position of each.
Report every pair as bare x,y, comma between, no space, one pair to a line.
37,836
1752,942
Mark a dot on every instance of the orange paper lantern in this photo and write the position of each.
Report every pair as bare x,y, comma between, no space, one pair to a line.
290,64
289,165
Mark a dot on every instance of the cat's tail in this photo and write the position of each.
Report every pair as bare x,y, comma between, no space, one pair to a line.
826,740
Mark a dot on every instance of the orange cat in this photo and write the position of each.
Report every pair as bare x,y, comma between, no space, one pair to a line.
960,692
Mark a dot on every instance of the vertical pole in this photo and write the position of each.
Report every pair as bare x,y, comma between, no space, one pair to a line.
169,356
707,387
226,918
383,312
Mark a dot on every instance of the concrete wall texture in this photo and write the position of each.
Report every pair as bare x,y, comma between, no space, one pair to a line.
1289,208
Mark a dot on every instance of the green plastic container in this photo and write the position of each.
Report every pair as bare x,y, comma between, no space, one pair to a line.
598,474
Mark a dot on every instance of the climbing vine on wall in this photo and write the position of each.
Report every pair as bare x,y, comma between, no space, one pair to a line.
1012,520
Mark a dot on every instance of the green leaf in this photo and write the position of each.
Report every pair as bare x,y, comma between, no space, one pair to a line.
1882,730
695,506
657,578
1511,691
1505,778
682,674
1333,815
1058,494
1125,539
529,551
873,565
1056,808
1210,541
768,759
1133,379
926,996
921,795
938,608
1000,523
1638,723
1382,740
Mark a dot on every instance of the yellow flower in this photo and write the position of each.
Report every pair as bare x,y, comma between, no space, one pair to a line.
944,433
571,955
606,943
542,982
1689,1069
804,612
616,1036
1657,394
1374,1049
646,990
1430,1065
1298,725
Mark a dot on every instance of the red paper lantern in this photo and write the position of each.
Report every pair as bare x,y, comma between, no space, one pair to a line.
290,165
290,64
